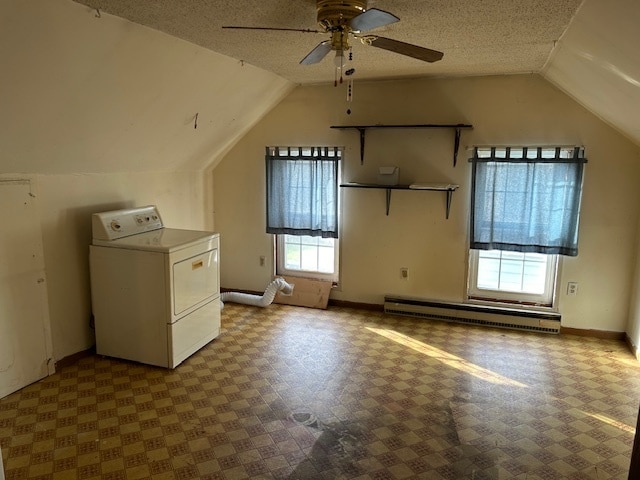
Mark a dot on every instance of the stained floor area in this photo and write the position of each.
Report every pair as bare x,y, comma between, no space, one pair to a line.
295,393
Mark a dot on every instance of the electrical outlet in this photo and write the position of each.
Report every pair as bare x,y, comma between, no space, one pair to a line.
262,260
404,273
572,288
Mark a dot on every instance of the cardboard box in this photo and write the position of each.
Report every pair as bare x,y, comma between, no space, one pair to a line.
388,175
307,292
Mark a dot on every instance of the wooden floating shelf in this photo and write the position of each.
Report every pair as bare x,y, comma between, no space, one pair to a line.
363,129
449,188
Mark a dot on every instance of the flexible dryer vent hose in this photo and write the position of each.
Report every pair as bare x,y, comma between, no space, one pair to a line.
277,285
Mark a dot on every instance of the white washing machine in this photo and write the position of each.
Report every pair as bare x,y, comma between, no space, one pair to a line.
155,291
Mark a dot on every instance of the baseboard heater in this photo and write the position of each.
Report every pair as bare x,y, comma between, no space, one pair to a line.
490,316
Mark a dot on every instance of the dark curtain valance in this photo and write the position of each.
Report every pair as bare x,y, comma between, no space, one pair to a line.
302,190
529,154
302,153
526,199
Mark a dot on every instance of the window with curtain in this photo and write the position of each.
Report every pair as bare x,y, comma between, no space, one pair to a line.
525,209
526,199
302,190
303,209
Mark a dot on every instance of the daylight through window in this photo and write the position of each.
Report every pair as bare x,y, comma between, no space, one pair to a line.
525,209
303,209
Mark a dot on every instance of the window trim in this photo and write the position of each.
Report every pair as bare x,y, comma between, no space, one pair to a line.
335,154
282,270
546,301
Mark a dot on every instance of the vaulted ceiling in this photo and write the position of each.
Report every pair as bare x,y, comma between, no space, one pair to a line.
114,85
477,37
586,48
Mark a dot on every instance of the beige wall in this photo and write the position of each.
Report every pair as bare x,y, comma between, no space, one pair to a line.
596,62
66,203
108,97
86,94
99,113
517,110
633,327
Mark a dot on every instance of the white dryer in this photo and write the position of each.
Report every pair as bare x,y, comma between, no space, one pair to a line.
155,291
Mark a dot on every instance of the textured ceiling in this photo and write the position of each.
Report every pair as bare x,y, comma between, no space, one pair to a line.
478,37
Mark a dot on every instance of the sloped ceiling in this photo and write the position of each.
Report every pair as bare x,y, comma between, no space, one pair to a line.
81,93
485,37
586,48
597,62
81,84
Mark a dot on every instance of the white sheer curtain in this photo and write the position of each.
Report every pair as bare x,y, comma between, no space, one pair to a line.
526,199
302,190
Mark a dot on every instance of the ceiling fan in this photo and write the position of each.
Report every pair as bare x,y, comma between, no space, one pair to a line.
343,19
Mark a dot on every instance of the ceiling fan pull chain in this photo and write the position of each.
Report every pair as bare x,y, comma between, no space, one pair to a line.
349,73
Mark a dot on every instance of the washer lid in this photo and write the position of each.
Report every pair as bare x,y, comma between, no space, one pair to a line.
164,240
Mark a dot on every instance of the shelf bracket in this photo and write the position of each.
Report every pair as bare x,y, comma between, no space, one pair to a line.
434,187
388,200
449,197
456,146
362,131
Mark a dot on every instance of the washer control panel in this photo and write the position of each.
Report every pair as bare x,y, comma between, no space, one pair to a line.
122,223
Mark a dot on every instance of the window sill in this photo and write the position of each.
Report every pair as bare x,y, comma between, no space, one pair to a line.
308,276
511,305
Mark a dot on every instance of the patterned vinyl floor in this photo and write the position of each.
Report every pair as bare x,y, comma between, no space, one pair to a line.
295,393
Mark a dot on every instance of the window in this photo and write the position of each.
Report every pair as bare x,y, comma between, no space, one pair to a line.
525,206
517,277
303,209
315,257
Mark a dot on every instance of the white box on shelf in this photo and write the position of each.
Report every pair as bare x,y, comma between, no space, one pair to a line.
388,175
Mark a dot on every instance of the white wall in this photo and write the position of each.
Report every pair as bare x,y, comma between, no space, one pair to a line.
518,110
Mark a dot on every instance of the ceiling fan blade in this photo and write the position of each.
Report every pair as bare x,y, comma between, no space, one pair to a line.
305,30
317,54
414,51
372,18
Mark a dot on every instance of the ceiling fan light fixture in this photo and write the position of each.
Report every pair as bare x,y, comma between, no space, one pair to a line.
343,19
340,41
